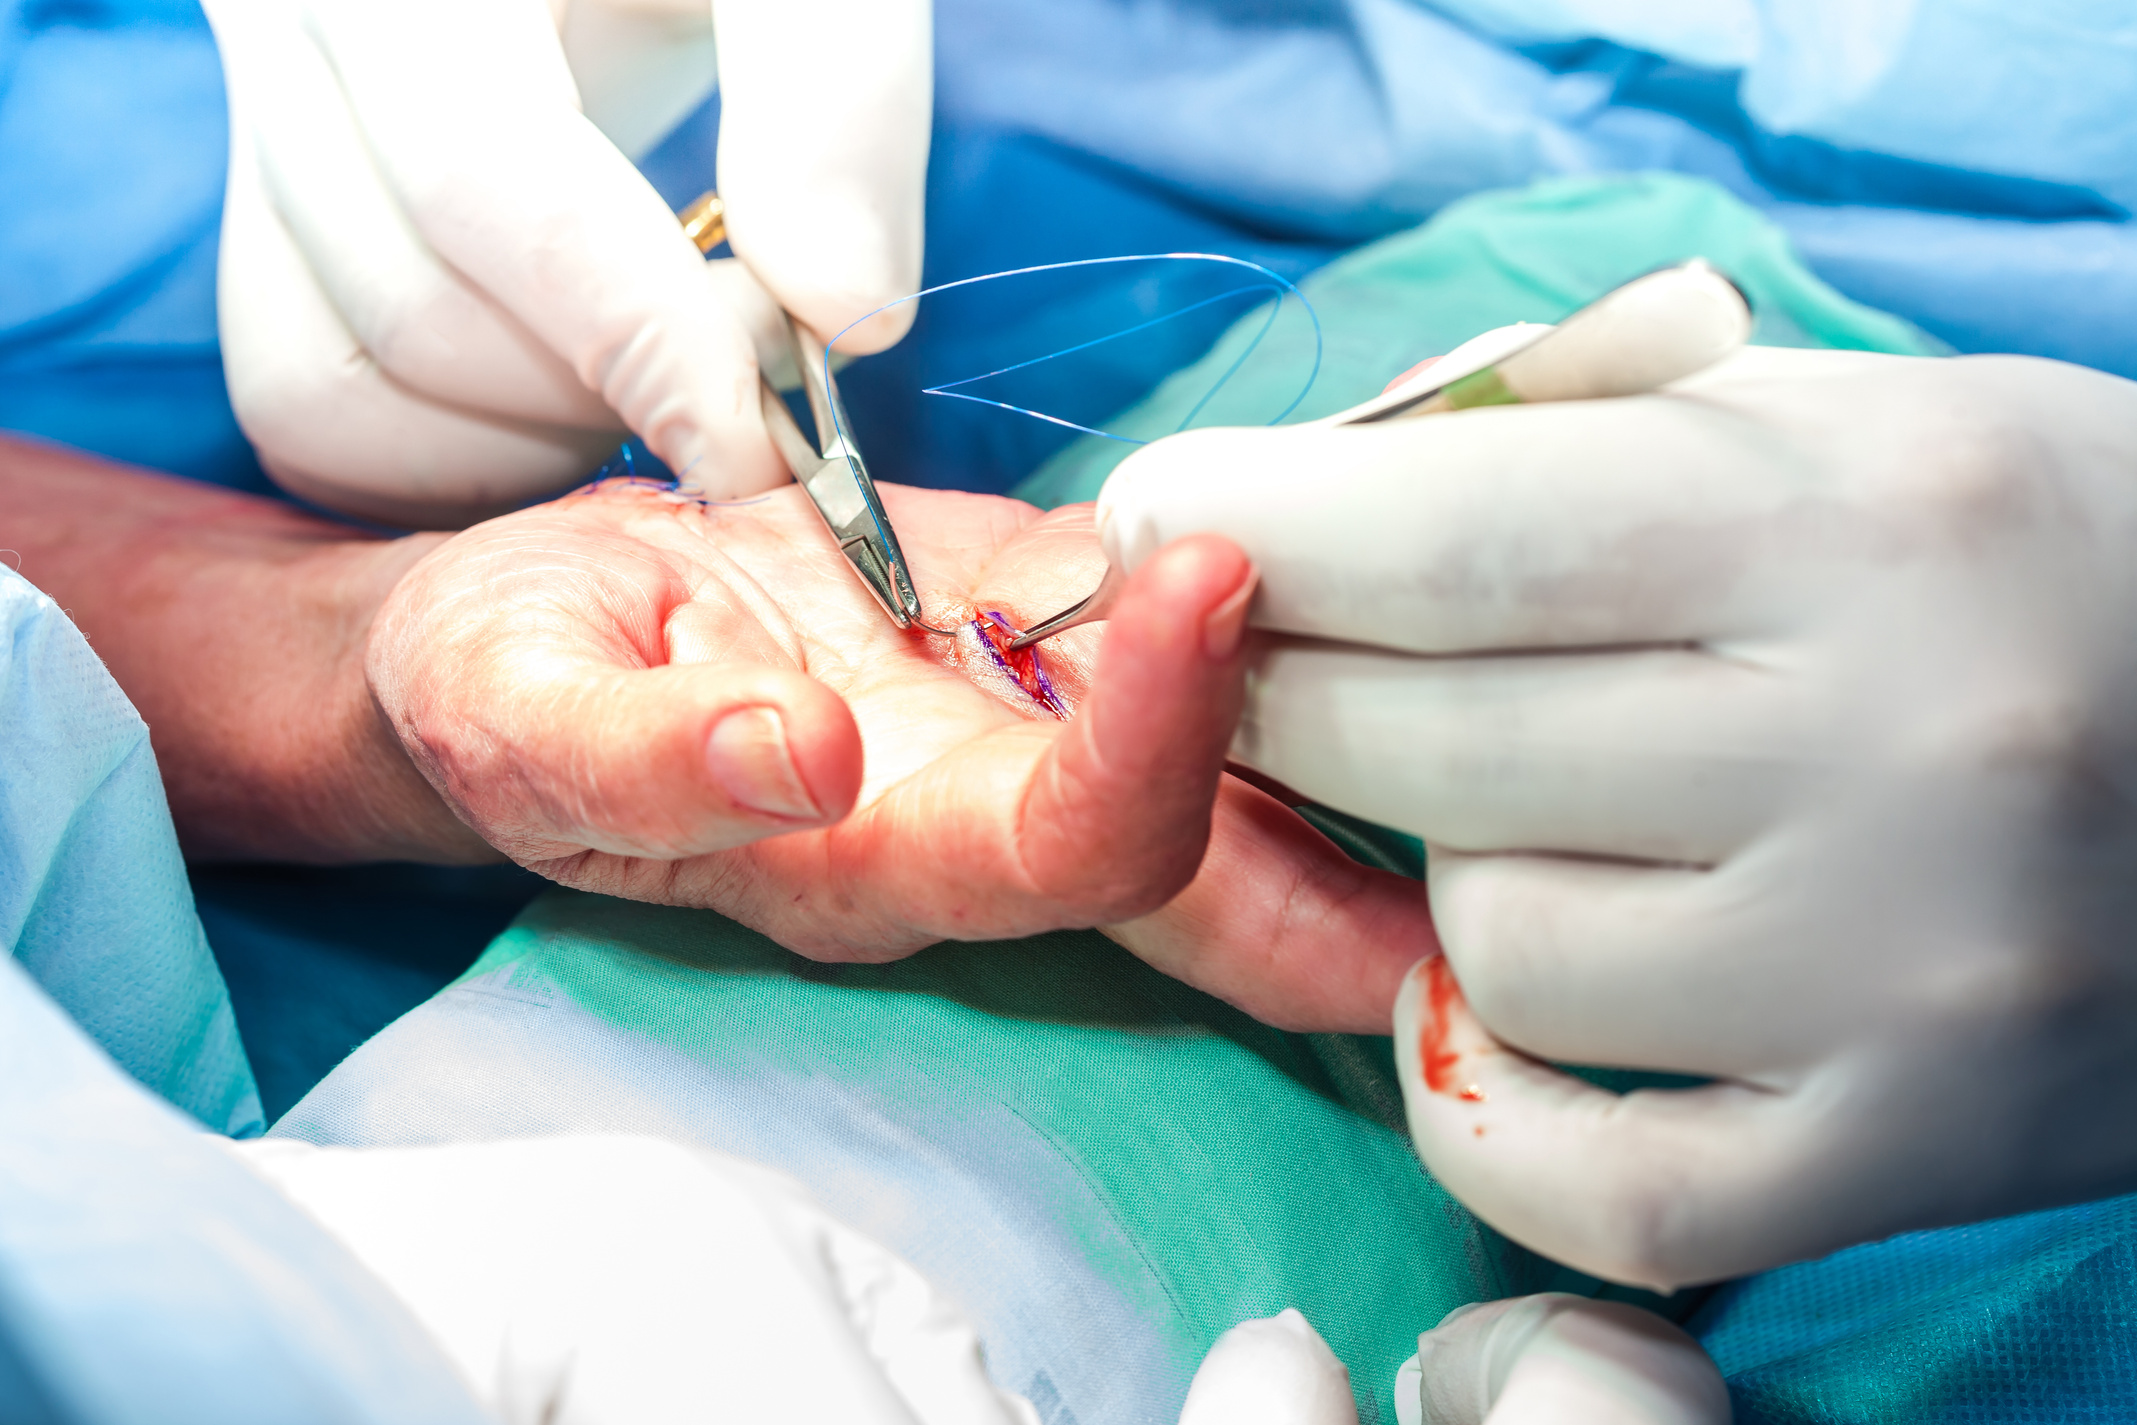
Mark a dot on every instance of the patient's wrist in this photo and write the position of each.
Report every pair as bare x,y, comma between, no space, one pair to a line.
236,625
274,749
349,791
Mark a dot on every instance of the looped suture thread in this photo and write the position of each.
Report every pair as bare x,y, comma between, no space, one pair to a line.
1277,283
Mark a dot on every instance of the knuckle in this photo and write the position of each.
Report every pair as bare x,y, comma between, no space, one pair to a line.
1959,462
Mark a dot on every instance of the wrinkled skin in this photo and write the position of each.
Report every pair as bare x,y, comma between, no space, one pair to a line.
558,676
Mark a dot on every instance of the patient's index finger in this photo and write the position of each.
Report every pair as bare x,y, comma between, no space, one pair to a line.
1575,524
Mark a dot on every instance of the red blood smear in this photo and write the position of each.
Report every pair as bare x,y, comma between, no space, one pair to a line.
1441,996
1472,1094
1022,663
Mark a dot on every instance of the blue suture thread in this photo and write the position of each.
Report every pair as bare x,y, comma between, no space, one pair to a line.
945,389
1233,370
1277,283
627,474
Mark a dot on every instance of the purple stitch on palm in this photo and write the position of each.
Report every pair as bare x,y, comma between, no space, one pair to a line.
1021,664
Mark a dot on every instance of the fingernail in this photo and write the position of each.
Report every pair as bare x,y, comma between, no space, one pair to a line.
1227,623
748,756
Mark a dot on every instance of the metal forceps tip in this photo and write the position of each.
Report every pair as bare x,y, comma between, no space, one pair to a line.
830,470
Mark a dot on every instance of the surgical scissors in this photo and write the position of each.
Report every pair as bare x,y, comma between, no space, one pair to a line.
829,469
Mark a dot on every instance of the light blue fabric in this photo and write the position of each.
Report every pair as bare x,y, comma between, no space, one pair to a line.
145,1278
1350,119
93,896
148,1279
1717,34
2035,90
2040,89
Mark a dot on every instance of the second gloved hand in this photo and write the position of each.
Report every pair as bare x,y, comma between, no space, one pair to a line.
1779,729
444,292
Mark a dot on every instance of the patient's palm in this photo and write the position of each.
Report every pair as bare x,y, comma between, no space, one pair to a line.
546,669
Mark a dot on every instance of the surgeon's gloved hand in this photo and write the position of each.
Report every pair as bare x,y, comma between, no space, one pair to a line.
443,291
1558,1359
1780,728
610,1280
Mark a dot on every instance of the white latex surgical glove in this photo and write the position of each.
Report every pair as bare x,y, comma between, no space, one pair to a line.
610,1280
1781,729
1557,1359
443,291
1550,1359
1274,1371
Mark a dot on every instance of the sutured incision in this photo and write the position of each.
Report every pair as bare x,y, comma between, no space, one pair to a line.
1022,664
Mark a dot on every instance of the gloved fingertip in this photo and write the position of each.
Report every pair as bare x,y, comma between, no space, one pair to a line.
865,324
1552,1357
1273,1371
734,460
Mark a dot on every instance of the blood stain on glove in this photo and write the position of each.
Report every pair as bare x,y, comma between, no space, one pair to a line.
1021,664
1437,1061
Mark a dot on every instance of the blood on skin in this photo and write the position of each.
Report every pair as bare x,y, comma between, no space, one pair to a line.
1022,664
1433,1055
1471,1094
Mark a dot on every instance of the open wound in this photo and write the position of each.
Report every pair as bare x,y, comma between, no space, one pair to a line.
1021,664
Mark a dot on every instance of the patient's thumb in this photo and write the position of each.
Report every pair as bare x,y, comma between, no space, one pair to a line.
1555,1359
666,763
1276,1371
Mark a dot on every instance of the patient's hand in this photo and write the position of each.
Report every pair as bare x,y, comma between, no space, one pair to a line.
640,695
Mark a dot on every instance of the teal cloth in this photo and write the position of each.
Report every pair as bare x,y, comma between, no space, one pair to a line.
1107,1168
1529,254
2022,1321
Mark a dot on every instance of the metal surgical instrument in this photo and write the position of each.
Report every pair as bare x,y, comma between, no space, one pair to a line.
1641,336
829,469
